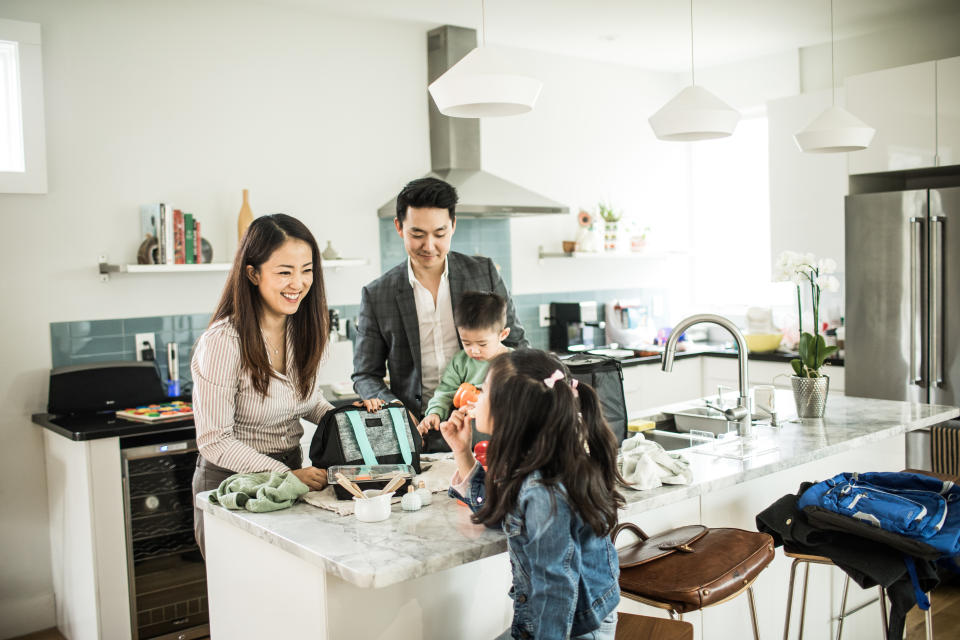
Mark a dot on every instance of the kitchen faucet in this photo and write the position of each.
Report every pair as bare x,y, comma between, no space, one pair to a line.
741,413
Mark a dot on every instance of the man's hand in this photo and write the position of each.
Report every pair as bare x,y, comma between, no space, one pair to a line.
314,478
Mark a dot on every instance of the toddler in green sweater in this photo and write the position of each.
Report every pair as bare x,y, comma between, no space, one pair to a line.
481,320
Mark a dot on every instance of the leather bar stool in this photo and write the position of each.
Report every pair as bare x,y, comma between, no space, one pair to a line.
634,627
715,568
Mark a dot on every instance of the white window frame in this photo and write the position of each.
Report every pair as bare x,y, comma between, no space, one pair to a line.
34,178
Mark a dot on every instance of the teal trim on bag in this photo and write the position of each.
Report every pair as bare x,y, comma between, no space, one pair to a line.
399,424
361,435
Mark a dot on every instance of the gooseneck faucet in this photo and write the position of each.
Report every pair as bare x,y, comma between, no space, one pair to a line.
741,413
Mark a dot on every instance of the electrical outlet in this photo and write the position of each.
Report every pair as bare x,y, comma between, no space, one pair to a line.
138,347
544,315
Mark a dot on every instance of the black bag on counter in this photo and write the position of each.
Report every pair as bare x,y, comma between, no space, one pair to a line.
605,375
351,436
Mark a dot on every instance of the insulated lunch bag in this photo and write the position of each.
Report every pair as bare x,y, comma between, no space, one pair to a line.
350,436
605,375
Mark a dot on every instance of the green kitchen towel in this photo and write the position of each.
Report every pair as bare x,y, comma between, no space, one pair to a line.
259,492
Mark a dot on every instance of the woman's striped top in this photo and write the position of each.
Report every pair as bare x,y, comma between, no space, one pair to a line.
235,425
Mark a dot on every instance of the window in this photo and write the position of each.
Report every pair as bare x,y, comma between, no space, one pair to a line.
730,228
23,162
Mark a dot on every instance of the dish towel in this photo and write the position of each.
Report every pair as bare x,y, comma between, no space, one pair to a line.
259,492
945,448
646,465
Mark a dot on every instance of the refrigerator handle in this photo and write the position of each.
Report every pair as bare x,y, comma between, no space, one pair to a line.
916,283
936,300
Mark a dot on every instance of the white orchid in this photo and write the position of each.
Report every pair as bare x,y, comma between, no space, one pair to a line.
801,268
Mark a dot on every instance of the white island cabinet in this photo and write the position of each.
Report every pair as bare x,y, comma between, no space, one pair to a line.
305,572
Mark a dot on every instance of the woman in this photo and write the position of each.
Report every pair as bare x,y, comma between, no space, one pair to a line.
255,367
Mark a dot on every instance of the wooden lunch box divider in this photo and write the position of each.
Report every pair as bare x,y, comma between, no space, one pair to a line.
691,567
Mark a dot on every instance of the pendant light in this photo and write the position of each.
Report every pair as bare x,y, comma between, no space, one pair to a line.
484,84
694,113
836,130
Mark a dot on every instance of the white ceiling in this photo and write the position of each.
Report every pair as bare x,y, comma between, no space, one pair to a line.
652,34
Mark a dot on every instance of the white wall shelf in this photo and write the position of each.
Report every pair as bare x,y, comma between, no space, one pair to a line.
106,268
608,255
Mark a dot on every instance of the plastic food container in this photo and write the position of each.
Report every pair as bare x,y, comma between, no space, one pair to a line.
375,508
373,476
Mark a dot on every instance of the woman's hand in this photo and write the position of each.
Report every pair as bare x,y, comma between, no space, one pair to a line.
315,479
372,404
432,421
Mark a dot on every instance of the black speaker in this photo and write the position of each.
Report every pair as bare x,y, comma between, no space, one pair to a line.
104,386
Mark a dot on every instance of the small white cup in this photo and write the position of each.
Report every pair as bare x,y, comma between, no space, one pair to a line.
375,508
764,397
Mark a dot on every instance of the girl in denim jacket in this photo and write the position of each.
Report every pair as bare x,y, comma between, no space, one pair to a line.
551,484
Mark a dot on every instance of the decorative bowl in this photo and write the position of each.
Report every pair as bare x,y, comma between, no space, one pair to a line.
763,342
375,508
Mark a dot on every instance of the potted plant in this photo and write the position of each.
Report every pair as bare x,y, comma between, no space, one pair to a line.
810,384
610,220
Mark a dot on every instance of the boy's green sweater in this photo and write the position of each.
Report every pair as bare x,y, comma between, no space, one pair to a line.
461,369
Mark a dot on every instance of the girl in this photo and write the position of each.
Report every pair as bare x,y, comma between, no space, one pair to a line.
255,367
551,484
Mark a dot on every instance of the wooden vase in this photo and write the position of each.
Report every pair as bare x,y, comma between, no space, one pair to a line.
245,217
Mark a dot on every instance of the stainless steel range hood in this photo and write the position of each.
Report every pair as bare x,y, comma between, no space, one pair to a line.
455,147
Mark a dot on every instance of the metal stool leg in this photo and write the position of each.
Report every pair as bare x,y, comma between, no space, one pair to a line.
803,598
843,607
753,614
928,620
793,575
883,611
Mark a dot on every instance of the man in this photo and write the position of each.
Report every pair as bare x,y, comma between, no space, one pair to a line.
406,315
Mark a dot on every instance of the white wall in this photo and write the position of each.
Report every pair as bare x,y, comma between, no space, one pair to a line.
189,102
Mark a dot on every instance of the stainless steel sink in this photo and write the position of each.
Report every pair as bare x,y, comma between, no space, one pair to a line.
701,419
671,440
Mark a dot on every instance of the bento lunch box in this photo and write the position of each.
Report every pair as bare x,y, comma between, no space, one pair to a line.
369,476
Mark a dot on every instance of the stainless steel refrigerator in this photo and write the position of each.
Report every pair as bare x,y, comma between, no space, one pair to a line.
903,298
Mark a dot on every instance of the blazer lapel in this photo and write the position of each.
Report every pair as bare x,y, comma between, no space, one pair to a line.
408,316
458,283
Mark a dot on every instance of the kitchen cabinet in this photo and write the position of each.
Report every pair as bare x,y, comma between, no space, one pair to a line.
646,385
948,111
901,104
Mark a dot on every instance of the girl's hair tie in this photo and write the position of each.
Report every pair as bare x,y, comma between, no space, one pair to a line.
573,386
552,380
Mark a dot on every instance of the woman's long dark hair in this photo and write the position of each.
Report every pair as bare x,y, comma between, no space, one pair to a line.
241,304
559,431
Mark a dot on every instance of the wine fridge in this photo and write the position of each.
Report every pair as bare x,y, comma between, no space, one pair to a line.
168,587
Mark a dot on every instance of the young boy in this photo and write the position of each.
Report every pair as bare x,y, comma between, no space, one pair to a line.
481,320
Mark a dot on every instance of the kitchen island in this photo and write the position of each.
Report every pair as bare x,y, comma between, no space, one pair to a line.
434,574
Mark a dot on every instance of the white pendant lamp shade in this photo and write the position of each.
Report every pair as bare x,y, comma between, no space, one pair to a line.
484,85
836,130
694,114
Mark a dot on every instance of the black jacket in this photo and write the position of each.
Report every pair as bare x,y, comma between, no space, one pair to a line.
869,563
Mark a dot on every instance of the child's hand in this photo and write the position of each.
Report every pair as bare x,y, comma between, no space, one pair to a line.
432,421
457,432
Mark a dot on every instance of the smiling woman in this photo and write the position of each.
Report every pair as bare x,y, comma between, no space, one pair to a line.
255,367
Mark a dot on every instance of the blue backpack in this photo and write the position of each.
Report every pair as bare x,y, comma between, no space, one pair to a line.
918,507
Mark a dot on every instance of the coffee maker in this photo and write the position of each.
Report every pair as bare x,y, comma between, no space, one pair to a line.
574,326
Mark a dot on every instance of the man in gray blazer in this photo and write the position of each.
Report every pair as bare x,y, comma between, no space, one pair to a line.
406,315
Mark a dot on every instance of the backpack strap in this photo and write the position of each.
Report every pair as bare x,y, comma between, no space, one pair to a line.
361,435
399,424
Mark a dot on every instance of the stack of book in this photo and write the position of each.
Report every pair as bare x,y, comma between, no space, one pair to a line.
177,234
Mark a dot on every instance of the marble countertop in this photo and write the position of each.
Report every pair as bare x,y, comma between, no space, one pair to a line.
441,536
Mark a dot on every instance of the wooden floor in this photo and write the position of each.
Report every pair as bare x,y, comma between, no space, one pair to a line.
946,618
